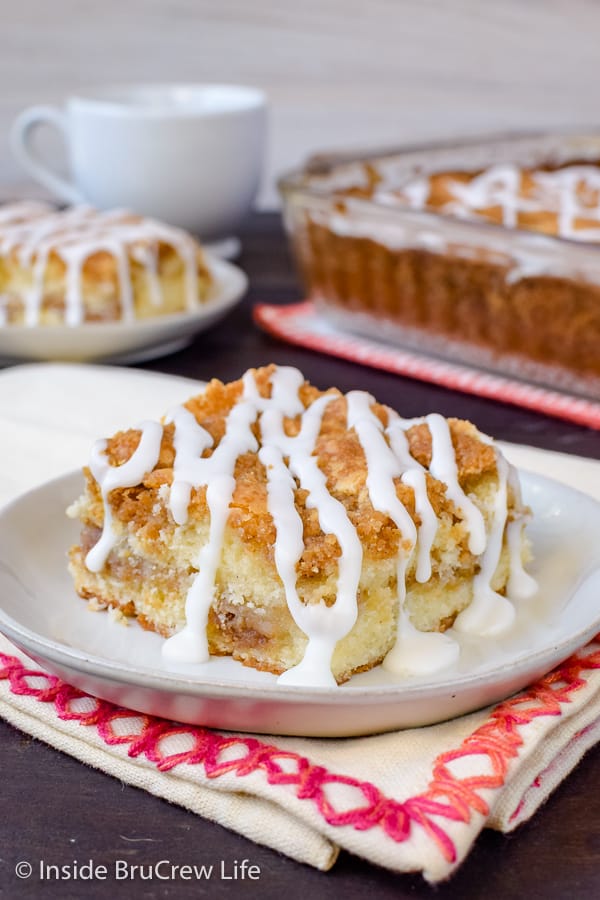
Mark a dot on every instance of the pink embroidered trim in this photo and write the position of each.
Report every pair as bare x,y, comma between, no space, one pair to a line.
298,324
593,728
448,796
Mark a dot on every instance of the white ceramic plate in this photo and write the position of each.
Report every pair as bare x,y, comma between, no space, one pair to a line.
41,613
126,341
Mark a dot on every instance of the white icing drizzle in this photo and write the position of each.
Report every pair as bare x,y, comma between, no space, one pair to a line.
489,613
34,231
129,474
216,473
147,258
190,440
413,650
521,585
571,192
497,186
324,625
191,643
412,474
13,213
419,652
416,193
382,465
443,467
290,463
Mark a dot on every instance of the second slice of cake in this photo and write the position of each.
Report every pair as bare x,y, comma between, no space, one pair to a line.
80,265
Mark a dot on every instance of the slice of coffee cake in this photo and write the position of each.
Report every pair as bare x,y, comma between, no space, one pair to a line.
301,531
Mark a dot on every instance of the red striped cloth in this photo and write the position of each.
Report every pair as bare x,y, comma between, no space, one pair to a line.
300,324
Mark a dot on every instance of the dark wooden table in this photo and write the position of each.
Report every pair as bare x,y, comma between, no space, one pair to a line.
55,809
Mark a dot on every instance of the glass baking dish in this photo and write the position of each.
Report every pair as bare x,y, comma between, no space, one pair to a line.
507,300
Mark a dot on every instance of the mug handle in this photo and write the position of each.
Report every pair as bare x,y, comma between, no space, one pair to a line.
20,140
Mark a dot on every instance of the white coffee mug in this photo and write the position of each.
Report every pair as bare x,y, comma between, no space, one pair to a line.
190,155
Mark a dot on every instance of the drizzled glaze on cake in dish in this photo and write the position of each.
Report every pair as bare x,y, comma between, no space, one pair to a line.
282,431
563,201
82,264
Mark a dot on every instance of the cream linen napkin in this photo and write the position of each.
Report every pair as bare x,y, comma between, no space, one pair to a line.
410,801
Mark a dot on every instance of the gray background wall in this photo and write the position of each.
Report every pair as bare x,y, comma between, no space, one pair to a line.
339,73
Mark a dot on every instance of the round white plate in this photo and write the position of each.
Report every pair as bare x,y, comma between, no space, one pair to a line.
126,341
41,613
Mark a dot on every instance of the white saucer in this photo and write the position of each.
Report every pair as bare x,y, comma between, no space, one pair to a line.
226,248
126,342
41,613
